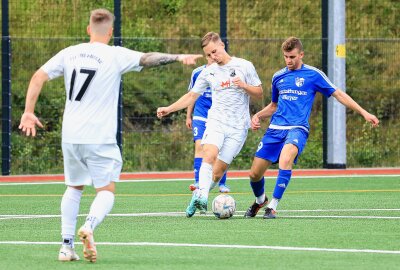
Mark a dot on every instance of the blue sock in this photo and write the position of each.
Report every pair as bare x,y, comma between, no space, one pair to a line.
223,180
196,168
258,187
281,183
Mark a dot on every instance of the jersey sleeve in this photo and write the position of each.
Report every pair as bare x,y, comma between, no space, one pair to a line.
193,78
275,91
252,76
201,83
323,84
128,60
54,67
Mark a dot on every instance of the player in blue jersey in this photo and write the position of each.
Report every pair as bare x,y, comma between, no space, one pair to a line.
196,118
293,91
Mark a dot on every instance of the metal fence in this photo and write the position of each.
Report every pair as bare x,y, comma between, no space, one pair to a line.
255,29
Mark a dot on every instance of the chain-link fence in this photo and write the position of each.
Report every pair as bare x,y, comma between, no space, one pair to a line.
39,29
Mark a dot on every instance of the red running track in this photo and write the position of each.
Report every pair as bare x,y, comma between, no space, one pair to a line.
189,174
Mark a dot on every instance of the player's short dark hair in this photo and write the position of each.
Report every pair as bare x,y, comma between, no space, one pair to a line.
291,44
209,37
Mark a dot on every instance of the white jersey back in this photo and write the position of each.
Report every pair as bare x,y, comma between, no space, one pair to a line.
92,74
230,104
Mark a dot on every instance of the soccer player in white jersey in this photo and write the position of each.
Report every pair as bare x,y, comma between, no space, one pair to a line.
92,74
293,91
232,81
196,118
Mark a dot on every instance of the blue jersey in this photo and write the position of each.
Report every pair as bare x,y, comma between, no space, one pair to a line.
203,103
294,91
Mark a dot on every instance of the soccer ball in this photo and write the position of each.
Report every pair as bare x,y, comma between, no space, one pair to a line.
223,206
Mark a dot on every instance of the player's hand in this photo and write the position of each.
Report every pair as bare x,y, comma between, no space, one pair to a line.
372,119
238,82
28,124
189,123
255,122
162,111
189,59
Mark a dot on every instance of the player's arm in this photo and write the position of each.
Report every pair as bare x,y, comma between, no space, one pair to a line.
188,99
268,110
154,59
253,91
189,112
29,120
347,101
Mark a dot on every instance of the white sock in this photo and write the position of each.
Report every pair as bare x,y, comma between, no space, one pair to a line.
260,199
205,179
69,212
273,204
101,206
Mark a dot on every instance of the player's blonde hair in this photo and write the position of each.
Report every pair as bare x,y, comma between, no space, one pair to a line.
291,44
101,20
210,37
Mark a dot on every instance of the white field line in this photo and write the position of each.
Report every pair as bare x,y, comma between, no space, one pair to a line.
238,213
191,179
214,246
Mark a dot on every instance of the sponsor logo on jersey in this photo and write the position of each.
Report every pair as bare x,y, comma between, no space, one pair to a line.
299,81
232,72
225,84
296,140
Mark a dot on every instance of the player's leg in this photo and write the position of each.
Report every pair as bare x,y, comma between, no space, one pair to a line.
212,140
69,215
76,176
257,183
267,153
288,154
219,171
99,209
198,128
104,163
294,144
223,187
198,158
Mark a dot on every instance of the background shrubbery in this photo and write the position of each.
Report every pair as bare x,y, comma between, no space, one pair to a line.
256,29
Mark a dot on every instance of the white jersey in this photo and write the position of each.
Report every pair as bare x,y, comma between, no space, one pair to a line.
230,104
92,74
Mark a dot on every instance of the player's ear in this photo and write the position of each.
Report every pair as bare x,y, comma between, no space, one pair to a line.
110,31
88,30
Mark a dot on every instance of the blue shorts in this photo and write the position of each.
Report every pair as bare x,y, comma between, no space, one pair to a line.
273,141
198,128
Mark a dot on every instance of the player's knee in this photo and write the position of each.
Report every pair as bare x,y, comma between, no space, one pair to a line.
254,176
285,162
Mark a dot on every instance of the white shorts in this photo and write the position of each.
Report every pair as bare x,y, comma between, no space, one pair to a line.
229,140
91,164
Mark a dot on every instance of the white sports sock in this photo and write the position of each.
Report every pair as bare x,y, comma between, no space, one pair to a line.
260,199
205,179
69,212
101,206
273,204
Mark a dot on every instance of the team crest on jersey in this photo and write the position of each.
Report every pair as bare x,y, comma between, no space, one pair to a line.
299,81
232,72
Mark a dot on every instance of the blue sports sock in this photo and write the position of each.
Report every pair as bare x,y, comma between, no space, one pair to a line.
258,187
281,183
223,180
196,168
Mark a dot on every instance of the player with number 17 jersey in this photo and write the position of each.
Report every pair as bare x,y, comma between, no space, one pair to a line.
92,74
